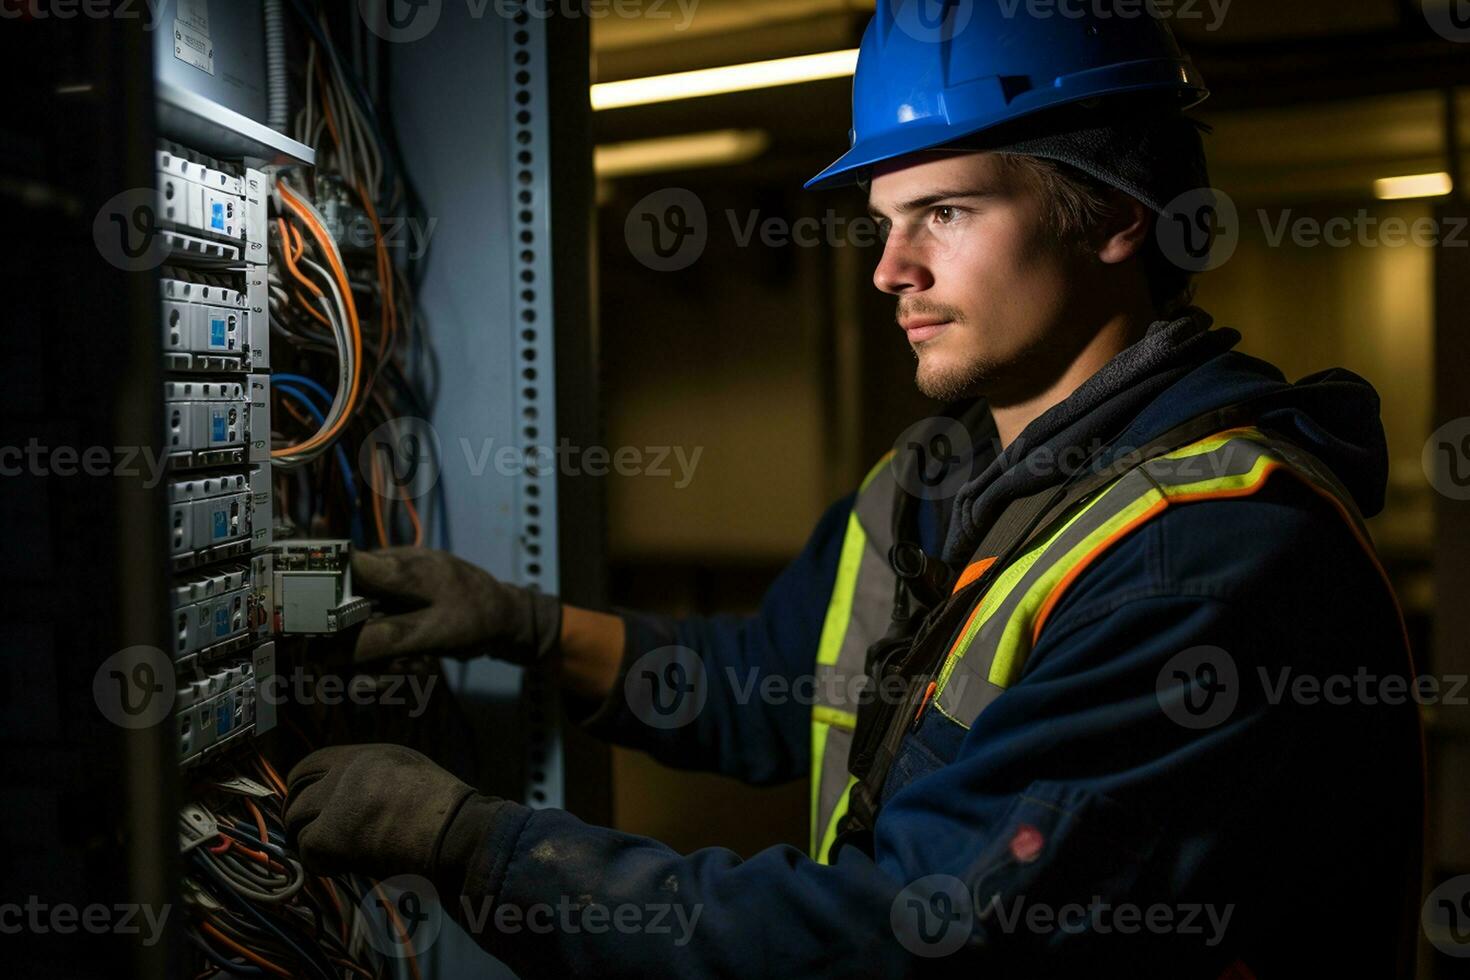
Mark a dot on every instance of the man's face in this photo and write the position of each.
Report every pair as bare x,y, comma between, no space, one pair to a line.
985,290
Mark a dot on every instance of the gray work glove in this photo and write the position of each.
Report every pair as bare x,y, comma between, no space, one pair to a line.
434,603
385,810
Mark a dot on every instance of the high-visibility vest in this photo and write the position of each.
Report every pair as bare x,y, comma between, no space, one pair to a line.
990,651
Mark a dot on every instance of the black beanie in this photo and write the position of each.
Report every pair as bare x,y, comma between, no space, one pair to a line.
1146,148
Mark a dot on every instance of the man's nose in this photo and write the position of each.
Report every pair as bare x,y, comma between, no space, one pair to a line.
902,268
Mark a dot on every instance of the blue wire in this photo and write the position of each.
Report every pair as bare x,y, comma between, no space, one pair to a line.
347,481
305,382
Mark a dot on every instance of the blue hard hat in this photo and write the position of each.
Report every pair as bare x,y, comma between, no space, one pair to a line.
930,72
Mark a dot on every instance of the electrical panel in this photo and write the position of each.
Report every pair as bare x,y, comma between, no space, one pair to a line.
266,376
214,330
313,588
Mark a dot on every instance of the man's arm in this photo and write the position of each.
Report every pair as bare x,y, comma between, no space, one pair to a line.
738,726
1076,786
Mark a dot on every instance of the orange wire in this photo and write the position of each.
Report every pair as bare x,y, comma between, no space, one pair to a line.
259,819
377,475
320,234
326,106
271,775
296,412
249,954
291,263
387,306
336,904
316,314
413,517
413,962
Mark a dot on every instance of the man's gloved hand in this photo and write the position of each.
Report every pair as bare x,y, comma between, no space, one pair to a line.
441,605
385,810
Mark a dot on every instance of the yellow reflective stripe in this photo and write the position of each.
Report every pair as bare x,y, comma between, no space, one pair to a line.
834,629
819,751
994,599
830,833
877,468
1015,639
1011,649
825,715
839,608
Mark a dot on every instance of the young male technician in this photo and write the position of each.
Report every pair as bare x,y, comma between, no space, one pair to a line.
1110,765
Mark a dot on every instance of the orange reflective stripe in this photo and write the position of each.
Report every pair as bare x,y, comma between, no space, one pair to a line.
1270,466
974,571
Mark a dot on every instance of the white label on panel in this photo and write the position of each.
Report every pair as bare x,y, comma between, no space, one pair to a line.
192,47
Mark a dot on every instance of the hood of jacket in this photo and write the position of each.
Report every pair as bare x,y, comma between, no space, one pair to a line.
1180,369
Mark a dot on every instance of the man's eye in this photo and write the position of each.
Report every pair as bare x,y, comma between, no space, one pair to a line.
946,213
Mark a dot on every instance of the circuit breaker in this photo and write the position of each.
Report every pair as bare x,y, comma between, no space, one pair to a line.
214,331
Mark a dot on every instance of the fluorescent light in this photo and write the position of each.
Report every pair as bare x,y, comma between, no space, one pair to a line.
1413,185
726,78
679,152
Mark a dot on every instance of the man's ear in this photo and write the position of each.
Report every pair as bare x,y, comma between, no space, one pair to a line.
1123,235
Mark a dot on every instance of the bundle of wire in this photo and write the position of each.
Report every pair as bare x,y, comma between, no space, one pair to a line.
254,911
353,360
